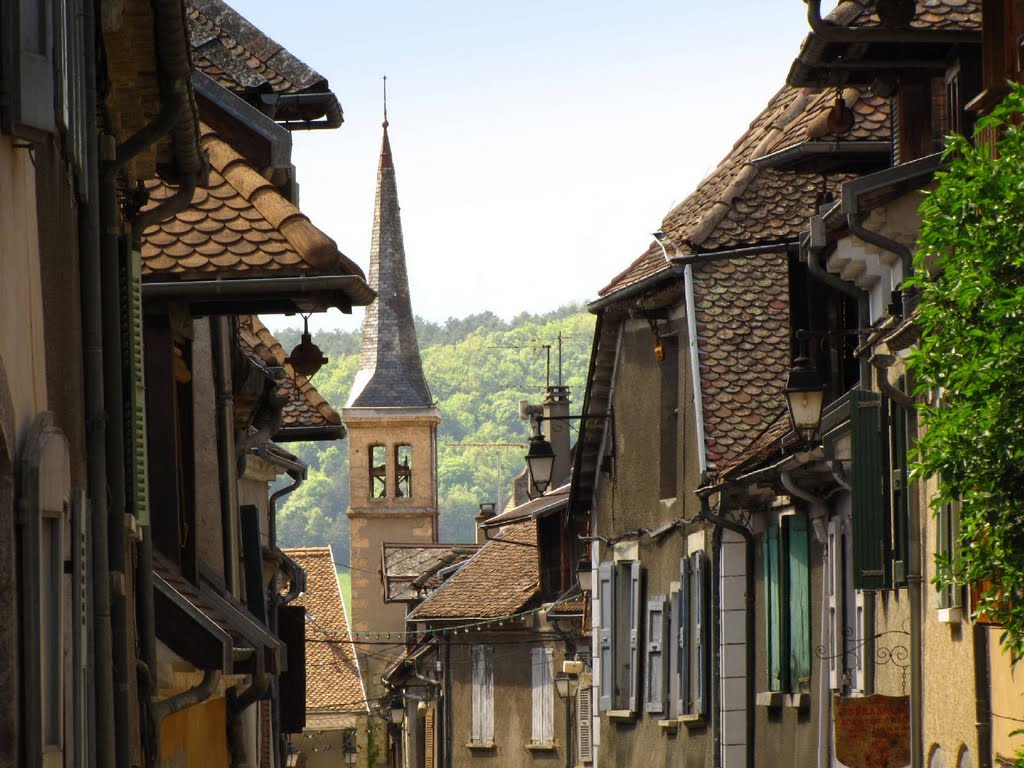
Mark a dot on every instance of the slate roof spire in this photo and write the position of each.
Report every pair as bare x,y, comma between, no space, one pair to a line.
390,371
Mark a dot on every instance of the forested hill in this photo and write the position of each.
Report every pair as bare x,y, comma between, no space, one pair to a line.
478,369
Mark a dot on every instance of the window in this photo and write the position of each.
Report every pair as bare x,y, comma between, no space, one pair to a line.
688,667
403,471
378,472
949,597
787,604
669,416
619,606
543,728
483,695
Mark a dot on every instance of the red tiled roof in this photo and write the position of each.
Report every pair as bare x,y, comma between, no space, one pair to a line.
870,119
405,563
306,407
499,580
240,225
962,15
333,683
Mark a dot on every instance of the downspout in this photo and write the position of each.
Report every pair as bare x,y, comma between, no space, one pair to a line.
221,337
854,222
750,646
716,645
698,396
101,673
159,710
446,737
982,695
861,297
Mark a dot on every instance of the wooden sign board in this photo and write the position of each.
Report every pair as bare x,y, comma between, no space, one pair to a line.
872,731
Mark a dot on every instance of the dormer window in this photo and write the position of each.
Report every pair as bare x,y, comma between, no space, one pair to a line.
378,472
403,471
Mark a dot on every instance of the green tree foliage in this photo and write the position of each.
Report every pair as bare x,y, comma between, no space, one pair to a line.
970,272
478,369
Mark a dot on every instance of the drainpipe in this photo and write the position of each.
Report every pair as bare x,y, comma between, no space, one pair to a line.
854,222
101,672
750,646
982,695
221,335
863,303
716,645
159,710
698,396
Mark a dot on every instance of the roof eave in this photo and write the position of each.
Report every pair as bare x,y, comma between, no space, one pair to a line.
310,434
266,295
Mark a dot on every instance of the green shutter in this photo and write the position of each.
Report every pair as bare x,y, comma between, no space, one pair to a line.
900,490
772,607
132,335
870,511
798,589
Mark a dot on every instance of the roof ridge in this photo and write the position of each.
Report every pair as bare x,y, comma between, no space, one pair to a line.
748,171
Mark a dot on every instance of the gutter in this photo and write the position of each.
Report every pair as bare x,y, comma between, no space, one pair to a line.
865,150
353,286
309,434
642,286
270,103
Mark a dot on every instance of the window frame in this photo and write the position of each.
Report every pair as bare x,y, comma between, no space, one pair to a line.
372,470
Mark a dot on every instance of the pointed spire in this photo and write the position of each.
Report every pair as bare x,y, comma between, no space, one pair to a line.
385,147
390,371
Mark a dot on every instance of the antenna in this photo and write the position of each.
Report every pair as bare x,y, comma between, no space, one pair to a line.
385,101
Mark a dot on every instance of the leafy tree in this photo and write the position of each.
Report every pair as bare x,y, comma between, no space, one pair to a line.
970,273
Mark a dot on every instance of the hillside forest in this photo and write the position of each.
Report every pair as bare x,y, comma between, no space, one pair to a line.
478,369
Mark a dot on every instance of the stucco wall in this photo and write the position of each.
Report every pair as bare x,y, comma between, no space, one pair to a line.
513,703
196,736
631,500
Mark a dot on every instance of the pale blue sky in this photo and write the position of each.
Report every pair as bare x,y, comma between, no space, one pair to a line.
537,144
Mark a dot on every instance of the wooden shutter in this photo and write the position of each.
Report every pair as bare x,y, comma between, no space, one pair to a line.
429,740
773,607
585,725
798,589
657,617
252,552
543,720
133,334
633,670
606,635
684,701
483,694
700,633
870,512
291,628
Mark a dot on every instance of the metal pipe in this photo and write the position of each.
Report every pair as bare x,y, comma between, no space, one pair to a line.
982,695
854,221
914,589
172,206
750,646
221,337
834,33
96,415
716,645
171,106
694,354
197,694
333,115
734,253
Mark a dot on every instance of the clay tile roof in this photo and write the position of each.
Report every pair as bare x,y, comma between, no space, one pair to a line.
499,580
765,447
306,407
870,119
227,48
405,563
964,15
333,683
543,505
240,225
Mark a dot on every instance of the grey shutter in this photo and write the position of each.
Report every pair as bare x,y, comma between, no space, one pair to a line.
584,725
657,613
836,637
606,632
633,672
483,694
28,63
955,590
542,729
133,333
699,630
684,702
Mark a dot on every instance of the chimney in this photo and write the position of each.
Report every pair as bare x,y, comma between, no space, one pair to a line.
556,429
485,514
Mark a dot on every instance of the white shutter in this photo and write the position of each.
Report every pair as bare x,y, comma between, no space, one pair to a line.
633,670
543,728
606,632
835,624
584,725
864,630
656,656
682,649
483,694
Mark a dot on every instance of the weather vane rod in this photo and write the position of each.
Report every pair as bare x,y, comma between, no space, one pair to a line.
385,101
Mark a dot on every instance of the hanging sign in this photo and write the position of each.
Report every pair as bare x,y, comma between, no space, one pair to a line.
872,731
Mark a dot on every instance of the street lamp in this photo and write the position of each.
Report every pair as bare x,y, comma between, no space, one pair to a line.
585,575
566,685
805,394
540,460
350,756
397,710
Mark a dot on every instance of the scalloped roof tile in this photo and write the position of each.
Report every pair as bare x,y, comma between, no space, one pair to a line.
239,225
962,15
333,682
306,406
